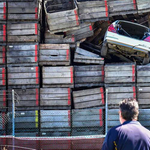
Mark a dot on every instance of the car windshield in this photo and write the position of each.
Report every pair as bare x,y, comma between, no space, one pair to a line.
132,30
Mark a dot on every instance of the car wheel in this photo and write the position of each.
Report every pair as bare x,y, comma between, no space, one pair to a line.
146,60
104,49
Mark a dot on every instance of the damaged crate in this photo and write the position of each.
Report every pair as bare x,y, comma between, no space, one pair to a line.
23,32
143,6
89,76
116,94
2,77
123,7
92,11
112,118
55,122
3,11
120,74
26,54
23,10
25,122
27,99
54,54
3,33
87,122
58,77
3,121
144,118
143,75
61,15
85,30
55,98
23,77
143,95
2,54
89,98
3,101
87,57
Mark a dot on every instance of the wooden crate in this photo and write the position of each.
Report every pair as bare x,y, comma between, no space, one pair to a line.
116,94
112,118
50,38
89,76
61,16
23,32
2,77
143,95
55,98
87,57
123,7
25,54
23,10
23,77
144,117
87,121
94,10
27,99
3,11
123,74
54,54
85,30
2,54
3,32
143,75
88,98
55,122
3,101
58,77
143,6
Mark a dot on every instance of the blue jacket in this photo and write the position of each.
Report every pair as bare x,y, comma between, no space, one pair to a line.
130,135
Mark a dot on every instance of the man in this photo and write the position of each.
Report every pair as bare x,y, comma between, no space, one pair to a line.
130,135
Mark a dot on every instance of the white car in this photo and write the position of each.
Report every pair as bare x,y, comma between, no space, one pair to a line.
128,39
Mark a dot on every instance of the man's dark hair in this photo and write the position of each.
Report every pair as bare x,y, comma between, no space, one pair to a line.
129,109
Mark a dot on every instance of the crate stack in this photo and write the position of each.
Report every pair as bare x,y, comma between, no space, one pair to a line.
120,82
23,37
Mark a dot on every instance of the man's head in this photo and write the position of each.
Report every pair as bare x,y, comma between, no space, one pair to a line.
129,110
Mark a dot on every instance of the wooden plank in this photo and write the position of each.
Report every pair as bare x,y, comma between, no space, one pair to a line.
54,46
119,80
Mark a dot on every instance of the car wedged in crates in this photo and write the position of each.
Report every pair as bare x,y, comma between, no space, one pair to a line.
128,39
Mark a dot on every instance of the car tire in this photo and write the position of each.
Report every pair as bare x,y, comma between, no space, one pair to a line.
146,60
104,49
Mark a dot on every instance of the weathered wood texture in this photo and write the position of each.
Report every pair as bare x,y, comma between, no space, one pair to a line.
143,6
89,98
120,73
85,30
2,76
55,122
23,11
55,98
22,54
87,120
93,10
116,94
143,75
58,39
25,120
89,76
26,99
84,56
144,117
3,11
2,55
123,7
3,101
22,32
58,77
113,118
143,95
3,33
54,54
23,76
61,17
